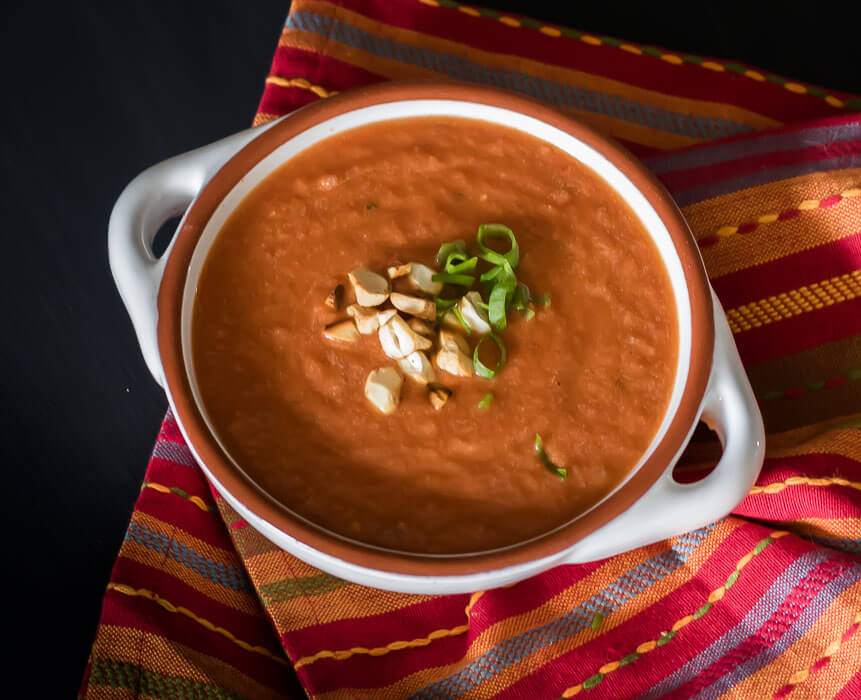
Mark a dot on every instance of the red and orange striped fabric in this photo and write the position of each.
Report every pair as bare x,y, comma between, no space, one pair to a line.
763,604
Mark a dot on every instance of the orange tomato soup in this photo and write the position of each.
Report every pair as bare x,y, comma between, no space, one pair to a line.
591,373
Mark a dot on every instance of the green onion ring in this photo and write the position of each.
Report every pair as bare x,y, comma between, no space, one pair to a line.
546,461
486,400
467,264
496,307
459,280
460,318
483,370
447,249
498,231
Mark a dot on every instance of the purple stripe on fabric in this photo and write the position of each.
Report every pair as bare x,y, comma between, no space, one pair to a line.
715,189
173,452
803,623
759,613
755,145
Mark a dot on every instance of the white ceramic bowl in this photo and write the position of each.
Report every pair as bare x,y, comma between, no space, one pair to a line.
207,184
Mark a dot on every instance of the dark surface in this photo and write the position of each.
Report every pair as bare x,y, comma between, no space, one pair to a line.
94,93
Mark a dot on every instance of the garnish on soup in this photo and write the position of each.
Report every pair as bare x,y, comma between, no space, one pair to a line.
439,312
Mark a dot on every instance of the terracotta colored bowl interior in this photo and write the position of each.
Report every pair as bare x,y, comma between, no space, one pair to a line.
242,487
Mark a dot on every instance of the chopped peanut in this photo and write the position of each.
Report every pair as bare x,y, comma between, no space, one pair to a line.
421,327
420,278
399,340
336,298
343,331
451,322
415,306
473,314
438,395
451,340
418,367
399,271
453,356
367,320
383,389
371,289
386,315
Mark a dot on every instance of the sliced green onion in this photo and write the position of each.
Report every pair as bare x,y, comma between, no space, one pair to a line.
462,320
444,304
528,314
486,231
496,307
545,460
459,280
467,264
507,280
370,205
447,249
486,400
483,370
491,274
542,299
521,296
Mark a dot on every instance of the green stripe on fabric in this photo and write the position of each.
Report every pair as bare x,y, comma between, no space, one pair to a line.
854,103
116,674
571,33
487,12
289,588
702,611
593,681
610,41
690,58
665,638
816,92
652,51
734,67
733,577
530,23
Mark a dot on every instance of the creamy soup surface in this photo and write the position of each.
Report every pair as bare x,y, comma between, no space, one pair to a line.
591,373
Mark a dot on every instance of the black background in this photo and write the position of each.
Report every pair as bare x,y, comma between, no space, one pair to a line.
94,93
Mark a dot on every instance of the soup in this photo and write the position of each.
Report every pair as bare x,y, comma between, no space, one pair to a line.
466,463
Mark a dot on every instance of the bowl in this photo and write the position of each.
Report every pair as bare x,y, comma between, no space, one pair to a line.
206,185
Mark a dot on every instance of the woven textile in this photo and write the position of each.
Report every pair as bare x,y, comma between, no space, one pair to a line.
763,604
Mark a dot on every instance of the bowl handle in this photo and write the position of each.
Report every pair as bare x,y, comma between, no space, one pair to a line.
669,508
157,194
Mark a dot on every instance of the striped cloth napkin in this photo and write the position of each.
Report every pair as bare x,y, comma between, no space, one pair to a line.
763,604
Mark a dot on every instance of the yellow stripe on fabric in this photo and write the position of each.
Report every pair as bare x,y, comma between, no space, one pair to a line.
649,51
839,436
807,650
170,607
238,600
350,601
393,646
779,486
773,241
839,528
165,656
530,66
710,601
176,491
301,83
805,205
550,609
795,302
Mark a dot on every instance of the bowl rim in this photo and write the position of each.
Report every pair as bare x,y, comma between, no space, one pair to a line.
240,486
